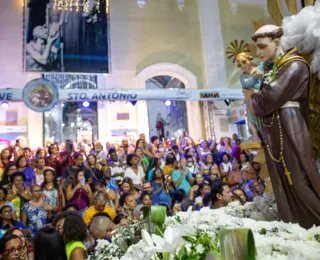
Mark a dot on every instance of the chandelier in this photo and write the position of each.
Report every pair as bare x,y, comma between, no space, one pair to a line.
141,4
76,5
84,5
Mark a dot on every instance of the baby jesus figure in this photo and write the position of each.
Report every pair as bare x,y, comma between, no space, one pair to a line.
251,78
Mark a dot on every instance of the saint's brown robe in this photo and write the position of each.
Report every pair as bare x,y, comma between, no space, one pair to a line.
299,202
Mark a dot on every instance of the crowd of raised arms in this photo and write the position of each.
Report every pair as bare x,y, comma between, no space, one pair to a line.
56,202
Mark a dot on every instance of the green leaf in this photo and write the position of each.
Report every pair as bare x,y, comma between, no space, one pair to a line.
237,244
158,214
263,231
182,253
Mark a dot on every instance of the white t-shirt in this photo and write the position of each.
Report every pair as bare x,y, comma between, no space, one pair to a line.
101,155
116,169
136,179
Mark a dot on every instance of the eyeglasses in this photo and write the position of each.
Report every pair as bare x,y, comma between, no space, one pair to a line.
12,250
37,191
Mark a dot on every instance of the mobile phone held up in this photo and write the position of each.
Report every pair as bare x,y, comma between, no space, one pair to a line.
82,181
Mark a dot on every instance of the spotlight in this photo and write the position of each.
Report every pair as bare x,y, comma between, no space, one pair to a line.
131,103
168,103
4,104
72,124
86,104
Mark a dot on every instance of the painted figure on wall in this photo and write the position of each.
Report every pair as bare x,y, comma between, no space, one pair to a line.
283,106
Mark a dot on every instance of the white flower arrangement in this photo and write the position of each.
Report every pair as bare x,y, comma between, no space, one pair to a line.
187,230
122,238
194,235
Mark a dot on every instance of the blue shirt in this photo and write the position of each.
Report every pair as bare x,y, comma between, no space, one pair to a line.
112,185
184,184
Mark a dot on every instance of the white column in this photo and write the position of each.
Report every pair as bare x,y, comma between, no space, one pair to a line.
35,129
142,118
213,43
194,120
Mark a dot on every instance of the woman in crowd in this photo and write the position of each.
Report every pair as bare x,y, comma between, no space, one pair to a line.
26,248
153,165
128,204
109,182
128,187
5,157
146,153
178,197
235,177
34,213
17,152
79,191
170,165
41,153
244,161
142,163
198,179
221,145
28,172
241,194
181,178
117,167
94,168
49,245
225,166
70,172
146,199
8,171
54,160
74,233
205,169
134,171
158,183
228,146
3,199
204,188
40,164
8,221
52,190
192,166
215,152
19,194
214,172
11,247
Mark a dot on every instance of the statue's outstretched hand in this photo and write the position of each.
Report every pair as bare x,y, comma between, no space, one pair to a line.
257,74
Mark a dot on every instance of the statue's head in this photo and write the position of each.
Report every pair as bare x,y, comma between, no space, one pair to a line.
244,61
267,41
40,32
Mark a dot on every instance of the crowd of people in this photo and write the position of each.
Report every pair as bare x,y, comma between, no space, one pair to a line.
69,198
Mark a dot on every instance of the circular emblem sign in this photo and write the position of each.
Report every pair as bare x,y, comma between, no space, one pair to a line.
40,95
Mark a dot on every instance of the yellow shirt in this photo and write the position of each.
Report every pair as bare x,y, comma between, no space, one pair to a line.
90,212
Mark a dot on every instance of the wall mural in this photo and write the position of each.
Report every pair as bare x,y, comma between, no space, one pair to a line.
67,36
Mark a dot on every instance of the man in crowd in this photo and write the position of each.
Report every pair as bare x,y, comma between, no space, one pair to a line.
147,187
221,194
100,205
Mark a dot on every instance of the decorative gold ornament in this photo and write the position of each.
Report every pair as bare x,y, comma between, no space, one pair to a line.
235,48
